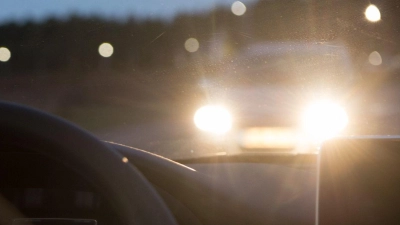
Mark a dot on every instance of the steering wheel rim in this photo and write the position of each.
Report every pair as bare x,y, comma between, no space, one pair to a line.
133,197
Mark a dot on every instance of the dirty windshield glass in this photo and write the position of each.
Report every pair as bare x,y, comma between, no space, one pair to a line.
191,78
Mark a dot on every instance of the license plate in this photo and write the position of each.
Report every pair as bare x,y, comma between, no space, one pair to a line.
268,137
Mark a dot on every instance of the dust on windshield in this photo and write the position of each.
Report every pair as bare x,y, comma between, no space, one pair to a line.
191,78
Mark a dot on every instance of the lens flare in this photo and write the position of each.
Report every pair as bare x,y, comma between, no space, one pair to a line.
238,8
213,119
375,58
5,54
192,45
106,50
372,13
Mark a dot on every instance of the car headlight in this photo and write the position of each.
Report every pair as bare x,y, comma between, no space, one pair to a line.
213,119
324,120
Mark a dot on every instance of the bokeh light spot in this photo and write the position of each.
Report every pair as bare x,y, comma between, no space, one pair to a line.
106,50
375,58
372,13
5,54
238,8
192,45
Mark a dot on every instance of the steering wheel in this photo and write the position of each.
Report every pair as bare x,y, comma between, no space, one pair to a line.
128,191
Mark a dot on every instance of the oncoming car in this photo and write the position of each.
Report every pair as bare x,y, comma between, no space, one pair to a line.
284,96
199,112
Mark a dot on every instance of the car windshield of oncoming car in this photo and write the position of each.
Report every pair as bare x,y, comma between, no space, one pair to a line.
191,78
292,66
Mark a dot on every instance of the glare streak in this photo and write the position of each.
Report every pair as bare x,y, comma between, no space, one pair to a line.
317,189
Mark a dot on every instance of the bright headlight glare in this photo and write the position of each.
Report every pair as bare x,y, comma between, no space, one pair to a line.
213,119
324,120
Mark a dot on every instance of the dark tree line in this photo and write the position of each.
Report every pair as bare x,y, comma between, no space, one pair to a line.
70,46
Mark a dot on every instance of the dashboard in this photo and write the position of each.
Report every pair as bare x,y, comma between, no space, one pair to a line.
34,186
216,190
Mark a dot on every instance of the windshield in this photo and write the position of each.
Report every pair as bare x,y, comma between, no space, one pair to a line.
190,78
302,65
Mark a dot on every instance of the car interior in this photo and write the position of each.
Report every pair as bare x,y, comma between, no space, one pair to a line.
47,173
40,182
210,112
